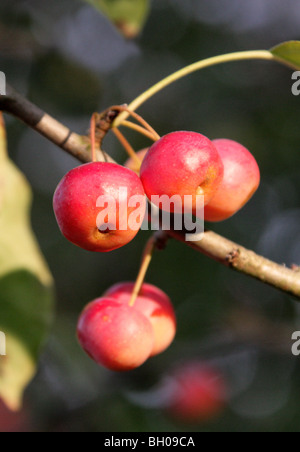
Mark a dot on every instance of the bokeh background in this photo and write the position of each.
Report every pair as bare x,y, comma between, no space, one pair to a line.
70,60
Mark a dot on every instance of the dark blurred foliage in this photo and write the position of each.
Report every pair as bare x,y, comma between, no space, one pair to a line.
70,60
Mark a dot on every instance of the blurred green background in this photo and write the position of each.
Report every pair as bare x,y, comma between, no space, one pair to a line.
68,58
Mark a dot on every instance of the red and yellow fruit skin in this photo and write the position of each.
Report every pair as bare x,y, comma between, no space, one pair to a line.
132,164
155,305
199,394
241,180
117,337
75,204
182,163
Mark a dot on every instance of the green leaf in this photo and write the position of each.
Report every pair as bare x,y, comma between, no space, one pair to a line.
25,317
26,285
19,293
128,16
289,53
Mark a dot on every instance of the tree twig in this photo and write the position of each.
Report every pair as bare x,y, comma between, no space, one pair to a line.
76,145
212,245
245,261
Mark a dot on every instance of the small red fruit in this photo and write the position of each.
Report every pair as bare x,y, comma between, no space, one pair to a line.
155,305
198,393
240,182
96,189
182,164
115,336
132,164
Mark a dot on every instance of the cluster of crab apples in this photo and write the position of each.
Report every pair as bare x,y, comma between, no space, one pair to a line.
183,165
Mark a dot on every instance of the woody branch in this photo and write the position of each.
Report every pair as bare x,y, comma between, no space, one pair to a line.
212,245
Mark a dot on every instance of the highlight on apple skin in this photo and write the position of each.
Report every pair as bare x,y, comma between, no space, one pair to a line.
197,393
76,206
116,336
241,180
155,305
179,164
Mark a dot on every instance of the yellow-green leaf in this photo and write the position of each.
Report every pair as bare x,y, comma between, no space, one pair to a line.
18,246
289,53
17,368
25,315
26,285
128,16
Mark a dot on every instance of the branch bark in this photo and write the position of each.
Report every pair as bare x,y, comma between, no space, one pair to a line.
76,145
212,245
245,261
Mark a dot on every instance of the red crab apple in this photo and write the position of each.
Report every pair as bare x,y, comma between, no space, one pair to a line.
132,164
181,164
116,336
100,206
198,393
240,182
154,304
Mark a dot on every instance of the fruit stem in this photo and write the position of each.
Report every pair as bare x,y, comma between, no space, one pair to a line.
126,110
237,56
127,146
137,128
93,137
158,240
147,257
